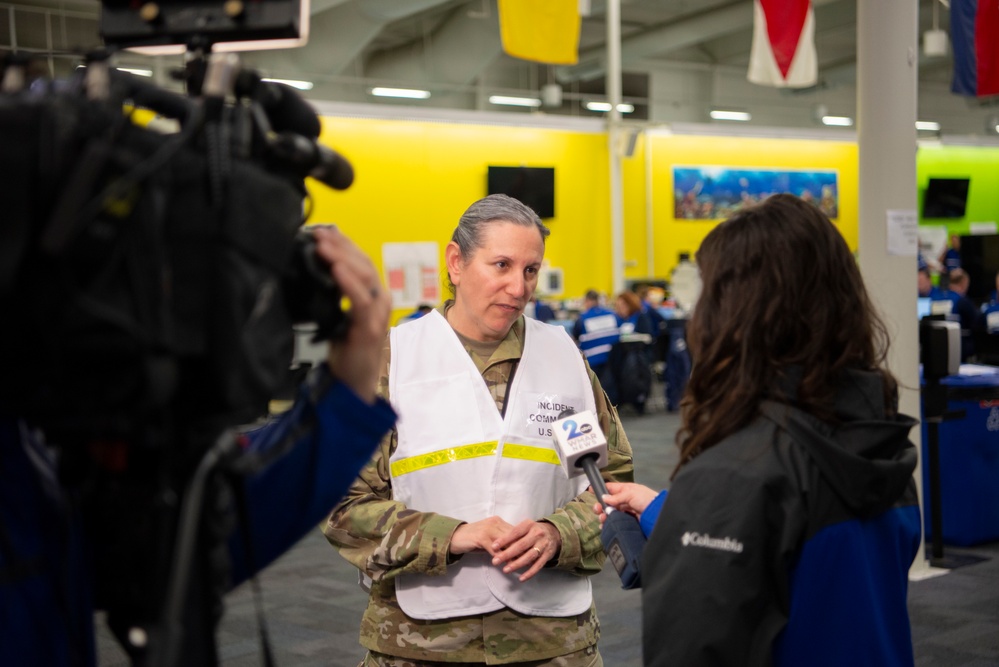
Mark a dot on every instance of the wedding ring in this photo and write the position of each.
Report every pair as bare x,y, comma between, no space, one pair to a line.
538,550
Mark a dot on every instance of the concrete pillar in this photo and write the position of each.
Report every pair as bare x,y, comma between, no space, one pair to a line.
614,134
887,59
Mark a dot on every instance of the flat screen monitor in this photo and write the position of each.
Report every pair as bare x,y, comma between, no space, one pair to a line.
534,186
945,198
923,306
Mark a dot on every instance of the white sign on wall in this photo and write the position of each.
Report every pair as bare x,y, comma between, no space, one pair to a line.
903,232
412,273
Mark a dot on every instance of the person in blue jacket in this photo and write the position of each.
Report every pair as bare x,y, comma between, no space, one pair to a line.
924,283
318,446
787,534
596,332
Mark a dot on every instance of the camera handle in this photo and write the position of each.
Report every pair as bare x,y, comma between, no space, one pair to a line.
166,649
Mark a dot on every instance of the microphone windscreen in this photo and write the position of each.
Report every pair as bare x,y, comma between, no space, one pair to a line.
288,111
333,169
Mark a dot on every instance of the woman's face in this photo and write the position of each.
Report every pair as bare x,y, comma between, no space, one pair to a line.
494,285
621,308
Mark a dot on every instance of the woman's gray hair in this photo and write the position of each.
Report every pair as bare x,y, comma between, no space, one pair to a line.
494,208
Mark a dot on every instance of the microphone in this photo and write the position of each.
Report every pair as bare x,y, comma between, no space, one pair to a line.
286,110
310,158
583,450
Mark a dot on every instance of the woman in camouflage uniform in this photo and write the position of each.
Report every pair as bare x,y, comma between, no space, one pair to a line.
476,544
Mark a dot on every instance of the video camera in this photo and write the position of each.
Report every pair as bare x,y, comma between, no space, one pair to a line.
150,281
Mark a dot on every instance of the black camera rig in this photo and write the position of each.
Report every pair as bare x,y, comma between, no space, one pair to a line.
150,282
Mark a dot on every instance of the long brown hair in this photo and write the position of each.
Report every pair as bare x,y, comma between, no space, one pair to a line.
781,289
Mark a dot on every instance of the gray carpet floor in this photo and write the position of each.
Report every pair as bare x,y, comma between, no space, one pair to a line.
313,603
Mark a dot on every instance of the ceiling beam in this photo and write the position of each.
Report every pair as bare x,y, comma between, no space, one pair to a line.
338,34
461,48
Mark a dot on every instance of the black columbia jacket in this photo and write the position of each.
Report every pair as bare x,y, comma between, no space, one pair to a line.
788,543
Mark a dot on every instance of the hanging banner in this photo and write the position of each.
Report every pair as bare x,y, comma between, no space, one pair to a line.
783,52
974,32
544,31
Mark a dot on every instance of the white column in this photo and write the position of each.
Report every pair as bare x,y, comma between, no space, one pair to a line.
614,135
887,58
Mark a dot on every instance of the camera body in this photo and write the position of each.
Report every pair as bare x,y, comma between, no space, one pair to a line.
150,283
129,297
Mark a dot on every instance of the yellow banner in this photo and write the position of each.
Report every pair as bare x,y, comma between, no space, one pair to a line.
545,31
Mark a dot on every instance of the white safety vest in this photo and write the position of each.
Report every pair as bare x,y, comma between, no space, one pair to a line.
457,456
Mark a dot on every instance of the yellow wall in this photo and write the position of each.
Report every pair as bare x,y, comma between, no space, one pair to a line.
415,178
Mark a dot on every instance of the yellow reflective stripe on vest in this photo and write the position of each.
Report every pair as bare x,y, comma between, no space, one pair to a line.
529,453
442,456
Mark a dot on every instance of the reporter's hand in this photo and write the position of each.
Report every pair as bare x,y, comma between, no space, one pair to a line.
529,544
355,360
627,497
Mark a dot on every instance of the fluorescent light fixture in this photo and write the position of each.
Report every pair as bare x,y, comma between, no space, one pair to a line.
838,121
408,93
721,114
301,85
136,71
928,125
515,101
624,107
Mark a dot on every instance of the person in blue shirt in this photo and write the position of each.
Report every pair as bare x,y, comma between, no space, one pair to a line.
596,332
314,451
950,258
993,299
631,316
542,311
420,311
787,534
990,311
655,317
631,356
924,283
964,308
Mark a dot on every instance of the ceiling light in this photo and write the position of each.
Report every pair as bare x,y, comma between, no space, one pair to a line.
301,85
838,121
136,71
408,93
928,125
720,114
624,107
515,101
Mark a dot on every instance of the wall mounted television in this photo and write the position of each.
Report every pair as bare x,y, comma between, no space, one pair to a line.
534,186
946,198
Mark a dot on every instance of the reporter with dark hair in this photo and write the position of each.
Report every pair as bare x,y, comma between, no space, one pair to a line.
46,553
792,520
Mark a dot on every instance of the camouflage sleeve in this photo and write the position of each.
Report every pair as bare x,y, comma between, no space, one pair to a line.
578,525
380,536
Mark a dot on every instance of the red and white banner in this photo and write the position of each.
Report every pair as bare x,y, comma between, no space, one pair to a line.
783,52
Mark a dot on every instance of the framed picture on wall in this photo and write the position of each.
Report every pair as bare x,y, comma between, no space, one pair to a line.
715,193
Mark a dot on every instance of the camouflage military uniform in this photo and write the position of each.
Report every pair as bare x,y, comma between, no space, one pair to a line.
383,538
